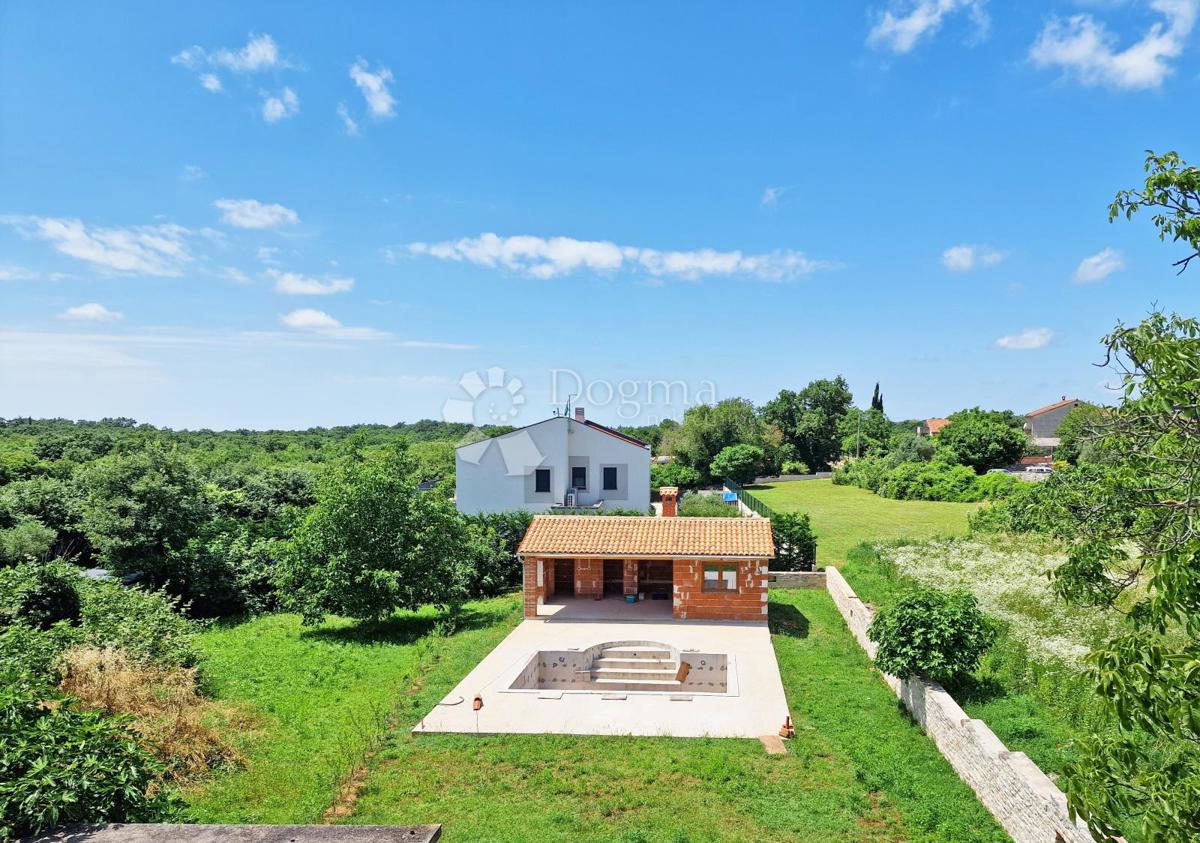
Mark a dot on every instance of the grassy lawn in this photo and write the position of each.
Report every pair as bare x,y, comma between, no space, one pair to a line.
320,698
844,516
857,770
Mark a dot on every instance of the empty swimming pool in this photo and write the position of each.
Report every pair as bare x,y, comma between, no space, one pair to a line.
648,667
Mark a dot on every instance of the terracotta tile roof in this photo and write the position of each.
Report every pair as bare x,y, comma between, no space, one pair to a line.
1036,460
647,537
935,425
1050,407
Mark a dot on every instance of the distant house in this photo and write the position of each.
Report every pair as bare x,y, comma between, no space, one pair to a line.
931,427
1042,424
564,461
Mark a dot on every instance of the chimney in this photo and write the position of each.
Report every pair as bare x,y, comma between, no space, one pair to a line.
579,417
670,501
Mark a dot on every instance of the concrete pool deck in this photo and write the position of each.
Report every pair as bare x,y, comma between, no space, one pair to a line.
755,707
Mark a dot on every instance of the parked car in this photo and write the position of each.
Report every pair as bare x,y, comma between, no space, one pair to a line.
997,471
1039,469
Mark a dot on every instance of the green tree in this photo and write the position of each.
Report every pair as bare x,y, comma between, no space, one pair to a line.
740,463
929,632
810,419
1172,189
982,439
877,399
1135,545
864,433
707,430
373,543
140,508
795,544
1079,433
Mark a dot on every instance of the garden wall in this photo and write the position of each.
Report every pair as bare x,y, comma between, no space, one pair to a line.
1020,796
796,579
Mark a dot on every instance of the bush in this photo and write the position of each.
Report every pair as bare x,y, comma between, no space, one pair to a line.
932,481
27,541
496,568
61,765
795,544
147,625
929,632
740,463
994,487
28,656
40,594
674,474
707,506
795,467
866,473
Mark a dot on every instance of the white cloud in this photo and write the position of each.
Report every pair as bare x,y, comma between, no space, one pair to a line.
901,31
250,213
260,53
319,322
352,127
268,254
1028,340
771,195
191,172
1099,266
374,88
1083,48
232,273
295,284
139,250
10,272
966,256
550,257
92,312
277,107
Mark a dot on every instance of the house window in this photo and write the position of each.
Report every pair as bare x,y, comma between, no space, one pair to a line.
541,480
722,577
610,478
579,477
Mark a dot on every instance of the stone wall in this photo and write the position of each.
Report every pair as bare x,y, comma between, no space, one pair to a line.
692,602
1021,797
796,579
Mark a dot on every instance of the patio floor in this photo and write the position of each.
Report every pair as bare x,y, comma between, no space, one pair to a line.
609,608
755,707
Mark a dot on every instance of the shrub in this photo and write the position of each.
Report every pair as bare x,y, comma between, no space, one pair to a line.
740,463
994,487
929,632
496,568
866,473
707,506
163,705
29,655
795,467
674,474
932,481
60,765
27,541
40,594
795,544
145,624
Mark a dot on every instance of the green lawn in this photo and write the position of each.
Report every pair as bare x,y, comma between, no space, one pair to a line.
844,516
858,769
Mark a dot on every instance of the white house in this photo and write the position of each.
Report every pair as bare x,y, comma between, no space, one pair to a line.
561,461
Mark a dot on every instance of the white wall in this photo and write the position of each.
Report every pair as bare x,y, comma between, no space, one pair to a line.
488,482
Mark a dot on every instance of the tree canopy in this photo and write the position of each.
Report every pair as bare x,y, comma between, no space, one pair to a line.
810,419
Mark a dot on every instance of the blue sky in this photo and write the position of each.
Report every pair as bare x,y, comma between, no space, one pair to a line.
282,215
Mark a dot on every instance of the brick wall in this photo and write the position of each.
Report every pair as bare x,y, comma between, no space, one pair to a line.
631,576
691,602
531,589
1020,796
589,577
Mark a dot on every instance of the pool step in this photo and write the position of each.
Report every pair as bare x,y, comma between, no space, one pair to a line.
605,662
656,674
639,684
633,652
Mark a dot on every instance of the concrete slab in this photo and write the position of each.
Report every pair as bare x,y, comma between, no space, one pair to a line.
606,609
755,705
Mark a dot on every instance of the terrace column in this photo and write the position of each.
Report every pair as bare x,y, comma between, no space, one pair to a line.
631,577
